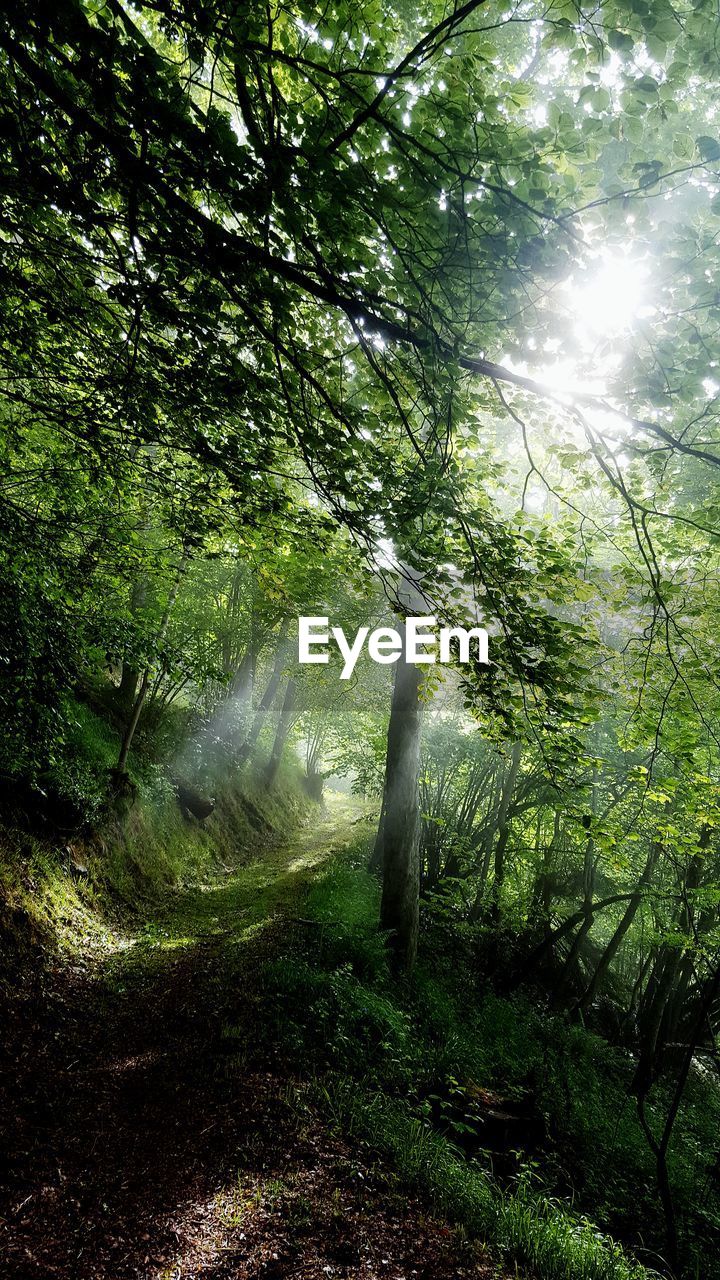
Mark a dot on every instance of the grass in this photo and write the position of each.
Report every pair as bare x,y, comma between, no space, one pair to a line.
523,1226
86,894
390,1063
394,1065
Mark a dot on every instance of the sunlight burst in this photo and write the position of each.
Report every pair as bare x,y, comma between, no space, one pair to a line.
612,296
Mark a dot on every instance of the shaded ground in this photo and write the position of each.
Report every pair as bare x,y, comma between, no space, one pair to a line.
139,1142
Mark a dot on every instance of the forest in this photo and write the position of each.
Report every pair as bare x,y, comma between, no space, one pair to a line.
363,312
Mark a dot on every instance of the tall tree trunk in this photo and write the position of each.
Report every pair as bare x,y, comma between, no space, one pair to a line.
240,695
241,685
539,910
258,720
572,963
314,777
281,733
661,984
130,675
128,687
487,845
235,599
502,832
400,905
132,724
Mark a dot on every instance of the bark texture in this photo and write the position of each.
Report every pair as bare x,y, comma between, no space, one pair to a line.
399,911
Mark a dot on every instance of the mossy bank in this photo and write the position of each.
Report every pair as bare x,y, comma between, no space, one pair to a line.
65,894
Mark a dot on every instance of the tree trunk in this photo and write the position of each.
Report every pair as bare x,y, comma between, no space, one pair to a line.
267,699
663,981
282,731
572,963
660,1147
400,906
240,695
241,685
502,832
487,850
539,910
128,687
530,963
132,724
610,952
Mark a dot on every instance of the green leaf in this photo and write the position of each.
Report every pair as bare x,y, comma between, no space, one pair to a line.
620,41
708,147
683,146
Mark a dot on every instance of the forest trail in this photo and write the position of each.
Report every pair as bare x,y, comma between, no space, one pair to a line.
142,1142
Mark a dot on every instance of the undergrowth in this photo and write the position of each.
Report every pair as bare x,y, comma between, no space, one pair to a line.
395,1066
76,893
525,1226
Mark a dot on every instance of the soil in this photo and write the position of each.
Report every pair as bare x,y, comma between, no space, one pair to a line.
142,1140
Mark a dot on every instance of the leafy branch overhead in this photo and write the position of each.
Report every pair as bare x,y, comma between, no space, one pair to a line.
364,311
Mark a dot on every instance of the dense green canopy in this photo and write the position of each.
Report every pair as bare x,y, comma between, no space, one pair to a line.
300,299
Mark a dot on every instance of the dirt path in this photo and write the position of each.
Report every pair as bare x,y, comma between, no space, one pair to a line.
141,1143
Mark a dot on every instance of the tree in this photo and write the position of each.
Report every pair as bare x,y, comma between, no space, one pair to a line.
399,835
